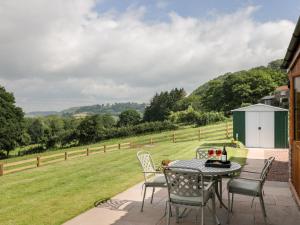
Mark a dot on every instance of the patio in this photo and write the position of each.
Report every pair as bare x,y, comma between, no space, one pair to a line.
124,209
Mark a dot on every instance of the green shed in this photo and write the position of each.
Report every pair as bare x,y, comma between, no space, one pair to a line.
261,126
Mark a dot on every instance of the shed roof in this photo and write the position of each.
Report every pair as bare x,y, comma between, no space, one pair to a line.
259,108
282,88
268,97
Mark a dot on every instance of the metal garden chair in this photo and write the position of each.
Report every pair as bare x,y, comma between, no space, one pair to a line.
250,186
187,189
152,177
203,154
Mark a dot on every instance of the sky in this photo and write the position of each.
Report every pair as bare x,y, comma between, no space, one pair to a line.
62,53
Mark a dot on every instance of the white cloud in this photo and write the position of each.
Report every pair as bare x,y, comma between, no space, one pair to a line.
56,54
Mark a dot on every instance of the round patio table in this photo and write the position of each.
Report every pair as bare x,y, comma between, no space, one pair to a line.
199,164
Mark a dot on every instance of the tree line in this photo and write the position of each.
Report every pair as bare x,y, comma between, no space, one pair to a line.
163,113
58,132
233,90
61,132
207,104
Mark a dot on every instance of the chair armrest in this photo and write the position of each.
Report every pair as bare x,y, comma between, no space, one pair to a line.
248,171
209,185
253,179
158,172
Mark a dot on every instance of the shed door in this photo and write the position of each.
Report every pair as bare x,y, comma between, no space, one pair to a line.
252,134
260,129
266,122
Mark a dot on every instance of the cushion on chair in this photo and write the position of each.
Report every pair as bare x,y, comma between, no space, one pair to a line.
156,181
192,201
244,187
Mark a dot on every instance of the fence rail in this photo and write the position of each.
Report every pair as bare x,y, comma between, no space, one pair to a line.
198,134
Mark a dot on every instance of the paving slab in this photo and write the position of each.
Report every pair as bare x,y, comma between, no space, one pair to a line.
124,208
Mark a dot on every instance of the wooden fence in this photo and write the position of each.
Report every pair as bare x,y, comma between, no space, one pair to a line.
220,131
217,131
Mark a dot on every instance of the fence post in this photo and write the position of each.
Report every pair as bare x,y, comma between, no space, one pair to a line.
87,152
1,169
38,161
199,134
227,130
151,141
104,148
119,146
66,155
174,138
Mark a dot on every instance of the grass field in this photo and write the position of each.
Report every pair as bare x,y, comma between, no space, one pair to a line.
55,193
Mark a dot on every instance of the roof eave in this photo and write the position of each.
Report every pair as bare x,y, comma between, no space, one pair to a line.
259,104
292,47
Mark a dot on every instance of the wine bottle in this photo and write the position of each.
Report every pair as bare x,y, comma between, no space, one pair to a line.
224,155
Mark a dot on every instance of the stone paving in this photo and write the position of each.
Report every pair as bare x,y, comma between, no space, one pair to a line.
279,169
124,209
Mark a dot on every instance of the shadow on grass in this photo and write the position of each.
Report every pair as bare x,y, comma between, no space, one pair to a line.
101,201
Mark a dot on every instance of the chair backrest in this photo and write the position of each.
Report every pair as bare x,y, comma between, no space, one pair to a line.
146,162
201,154
184,182
266,168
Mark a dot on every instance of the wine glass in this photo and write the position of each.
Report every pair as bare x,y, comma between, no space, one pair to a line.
211,153
219,153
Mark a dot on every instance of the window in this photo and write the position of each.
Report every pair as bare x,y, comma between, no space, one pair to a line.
297,108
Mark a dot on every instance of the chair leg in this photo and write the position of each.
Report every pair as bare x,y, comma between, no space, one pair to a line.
231,202
263,206
221,191
177,214
143,199
168,213
228,210
213,201
166,208
202,215
153,190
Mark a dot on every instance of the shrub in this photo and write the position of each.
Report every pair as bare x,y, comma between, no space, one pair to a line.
90,132
205,118
129,117
191,116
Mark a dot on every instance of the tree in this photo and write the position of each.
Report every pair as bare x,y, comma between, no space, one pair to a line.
36,130
11,120
92,128
162,104
25,139
231,90
53,137
107,120
212,99
129,117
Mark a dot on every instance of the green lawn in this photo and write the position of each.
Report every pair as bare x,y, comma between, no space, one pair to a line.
56,193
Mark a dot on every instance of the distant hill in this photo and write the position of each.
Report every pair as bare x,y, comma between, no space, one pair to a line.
232,90
81,111
41,113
